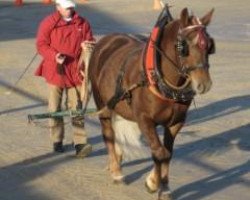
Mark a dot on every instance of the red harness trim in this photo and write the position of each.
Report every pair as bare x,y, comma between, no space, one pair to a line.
150,60
150,63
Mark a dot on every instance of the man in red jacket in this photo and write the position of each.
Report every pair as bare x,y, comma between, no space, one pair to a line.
60,39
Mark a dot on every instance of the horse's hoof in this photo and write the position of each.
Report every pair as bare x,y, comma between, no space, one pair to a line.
107,168
151,185
118,179
164,193
149,190
165,197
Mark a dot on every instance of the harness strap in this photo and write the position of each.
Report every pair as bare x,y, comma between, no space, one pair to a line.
120,92
158,94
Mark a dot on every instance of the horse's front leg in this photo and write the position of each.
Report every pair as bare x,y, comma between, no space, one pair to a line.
169,136
109,139
159,154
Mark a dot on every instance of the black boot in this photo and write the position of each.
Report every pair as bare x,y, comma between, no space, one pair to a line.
83,150
58,147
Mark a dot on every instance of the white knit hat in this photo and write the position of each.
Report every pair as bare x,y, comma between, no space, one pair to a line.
66,3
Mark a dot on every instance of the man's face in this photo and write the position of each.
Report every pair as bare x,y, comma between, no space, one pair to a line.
65,12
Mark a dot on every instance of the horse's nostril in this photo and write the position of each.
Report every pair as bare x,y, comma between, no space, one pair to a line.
200,88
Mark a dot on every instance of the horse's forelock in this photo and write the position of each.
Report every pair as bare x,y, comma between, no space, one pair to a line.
195,20
189,29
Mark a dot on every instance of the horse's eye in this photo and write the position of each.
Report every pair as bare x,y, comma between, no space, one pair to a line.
211,47
182,47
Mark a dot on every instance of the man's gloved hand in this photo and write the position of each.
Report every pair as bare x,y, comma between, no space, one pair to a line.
60,58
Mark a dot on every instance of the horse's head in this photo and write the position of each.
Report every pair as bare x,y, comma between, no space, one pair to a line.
194,45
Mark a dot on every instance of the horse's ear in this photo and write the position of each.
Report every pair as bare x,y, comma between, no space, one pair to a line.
205,20
184,18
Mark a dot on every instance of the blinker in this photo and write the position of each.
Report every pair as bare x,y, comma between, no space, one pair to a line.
182,47
211,48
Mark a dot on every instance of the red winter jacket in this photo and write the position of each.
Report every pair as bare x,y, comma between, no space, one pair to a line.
55,35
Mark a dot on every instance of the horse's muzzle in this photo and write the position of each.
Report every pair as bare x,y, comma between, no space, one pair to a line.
201,81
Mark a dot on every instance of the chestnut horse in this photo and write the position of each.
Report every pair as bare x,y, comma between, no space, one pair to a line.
151,83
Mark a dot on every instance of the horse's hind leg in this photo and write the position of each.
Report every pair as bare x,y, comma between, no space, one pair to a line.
119,153
109,139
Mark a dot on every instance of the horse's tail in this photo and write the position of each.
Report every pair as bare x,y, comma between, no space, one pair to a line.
128,138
